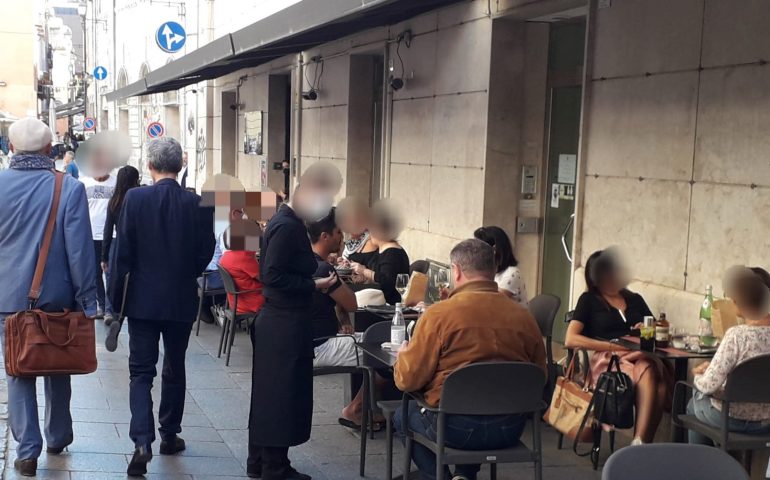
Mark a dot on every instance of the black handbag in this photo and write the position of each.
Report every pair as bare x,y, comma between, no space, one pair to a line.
612,404
614,397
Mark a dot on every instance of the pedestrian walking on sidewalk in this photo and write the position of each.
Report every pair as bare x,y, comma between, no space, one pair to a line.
165,240
69,281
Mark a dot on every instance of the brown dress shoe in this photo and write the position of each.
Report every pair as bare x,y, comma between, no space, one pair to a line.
26,467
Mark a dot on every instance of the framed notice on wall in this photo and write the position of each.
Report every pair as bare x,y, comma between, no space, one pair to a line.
252,133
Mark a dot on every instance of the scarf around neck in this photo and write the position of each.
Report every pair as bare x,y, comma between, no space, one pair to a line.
31,161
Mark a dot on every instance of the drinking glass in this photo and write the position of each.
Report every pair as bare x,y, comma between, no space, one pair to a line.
402,280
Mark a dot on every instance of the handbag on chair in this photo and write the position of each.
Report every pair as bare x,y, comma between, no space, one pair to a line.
39,343
569,406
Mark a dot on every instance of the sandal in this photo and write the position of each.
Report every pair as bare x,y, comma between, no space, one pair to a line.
377,427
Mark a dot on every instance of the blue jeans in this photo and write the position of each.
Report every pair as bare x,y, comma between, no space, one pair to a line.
213,280
22,410
143,345
700,406
465,432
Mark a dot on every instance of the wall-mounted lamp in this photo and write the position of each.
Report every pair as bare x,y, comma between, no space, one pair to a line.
397,82
3,84
312,94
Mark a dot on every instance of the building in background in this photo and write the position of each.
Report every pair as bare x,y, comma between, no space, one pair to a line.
19,36
572,124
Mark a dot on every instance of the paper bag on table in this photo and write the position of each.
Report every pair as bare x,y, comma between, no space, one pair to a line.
724,314
415,290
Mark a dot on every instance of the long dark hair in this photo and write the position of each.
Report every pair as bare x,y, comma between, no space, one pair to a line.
128,178
496,237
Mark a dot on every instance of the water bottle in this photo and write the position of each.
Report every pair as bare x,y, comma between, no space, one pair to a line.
398,327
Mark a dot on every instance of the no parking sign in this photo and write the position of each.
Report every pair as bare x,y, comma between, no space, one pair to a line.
89,123
155,130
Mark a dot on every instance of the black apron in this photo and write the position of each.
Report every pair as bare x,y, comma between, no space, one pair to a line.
282,377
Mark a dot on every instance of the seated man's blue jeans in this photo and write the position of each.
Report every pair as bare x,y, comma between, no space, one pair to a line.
700,406
466,432
22,410
213,280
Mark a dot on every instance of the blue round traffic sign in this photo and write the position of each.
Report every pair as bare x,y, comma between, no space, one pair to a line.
100,73
170,37
155,130
89,123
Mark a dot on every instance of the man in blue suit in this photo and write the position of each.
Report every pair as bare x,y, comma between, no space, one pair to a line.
165,240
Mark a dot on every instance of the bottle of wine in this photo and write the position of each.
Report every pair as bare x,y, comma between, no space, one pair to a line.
662,332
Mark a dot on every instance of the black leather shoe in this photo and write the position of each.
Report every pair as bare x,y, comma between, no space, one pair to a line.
295,475
111,342
170,447
55,450
138,465
26,467
254,472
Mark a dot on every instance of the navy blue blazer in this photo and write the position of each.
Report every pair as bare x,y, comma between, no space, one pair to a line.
165,240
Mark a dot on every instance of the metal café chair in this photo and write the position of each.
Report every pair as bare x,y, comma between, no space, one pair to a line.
203,291
672,461
747,383
232,318
544,308
488,388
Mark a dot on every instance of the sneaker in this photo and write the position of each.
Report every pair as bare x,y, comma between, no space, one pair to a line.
111,342
108,318
637,441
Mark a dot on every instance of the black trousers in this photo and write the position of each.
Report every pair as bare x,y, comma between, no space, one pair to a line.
272,462
143,344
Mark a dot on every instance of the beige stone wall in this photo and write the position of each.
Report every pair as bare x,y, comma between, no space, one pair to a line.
676,164
17,38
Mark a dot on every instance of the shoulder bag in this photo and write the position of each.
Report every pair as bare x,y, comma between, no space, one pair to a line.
39,343
569,405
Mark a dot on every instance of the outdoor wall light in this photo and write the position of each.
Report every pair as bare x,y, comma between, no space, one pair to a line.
311,95
397,83
3,84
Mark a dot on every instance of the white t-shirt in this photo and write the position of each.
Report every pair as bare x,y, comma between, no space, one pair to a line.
510,280
99,195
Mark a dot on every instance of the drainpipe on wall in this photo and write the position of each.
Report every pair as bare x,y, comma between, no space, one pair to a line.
577,234
296,153
387,126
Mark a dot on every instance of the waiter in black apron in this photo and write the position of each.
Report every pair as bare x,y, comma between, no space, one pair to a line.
282,334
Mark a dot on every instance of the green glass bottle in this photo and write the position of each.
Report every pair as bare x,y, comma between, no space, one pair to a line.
704,326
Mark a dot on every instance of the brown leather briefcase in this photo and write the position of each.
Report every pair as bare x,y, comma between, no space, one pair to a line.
39,343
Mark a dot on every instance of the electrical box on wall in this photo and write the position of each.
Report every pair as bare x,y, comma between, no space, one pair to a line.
528,225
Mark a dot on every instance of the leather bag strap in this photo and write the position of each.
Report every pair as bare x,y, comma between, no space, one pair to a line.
42,257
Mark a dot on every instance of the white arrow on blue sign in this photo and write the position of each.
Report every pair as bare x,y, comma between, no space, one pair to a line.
100,73
170,37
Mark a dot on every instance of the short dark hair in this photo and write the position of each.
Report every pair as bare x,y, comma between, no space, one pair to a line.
474,256
496,237
598,267
751,289
325,225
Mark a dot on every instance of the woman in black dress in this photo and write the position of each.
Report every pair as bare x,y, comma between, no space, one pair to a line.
391,258
607,311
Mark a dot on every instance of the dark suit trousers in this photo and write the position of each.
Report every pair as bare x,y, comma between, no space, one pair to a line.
143,344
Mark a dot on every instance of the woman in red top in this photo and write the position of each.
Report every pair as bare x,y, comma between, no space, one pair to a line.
243,266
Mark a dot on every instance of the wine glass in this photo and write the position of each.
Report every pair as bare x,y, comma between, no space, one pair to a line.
402,280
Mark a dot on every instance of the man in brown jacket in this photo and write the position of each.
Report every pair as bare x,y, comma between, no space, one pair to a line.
475,324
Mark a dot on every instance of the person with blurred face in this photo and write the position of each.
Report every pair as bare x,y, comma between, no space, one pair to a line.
607,311
70,168
391,260
750,290
354,222
282,370
100,186
183,180
69,280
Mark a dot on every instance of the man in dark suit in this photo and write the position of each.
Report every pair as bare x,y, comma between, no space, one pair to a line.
165,240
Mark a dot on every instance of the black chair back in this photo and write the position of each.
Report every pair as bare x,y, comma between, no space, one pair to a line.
419,266
493,388
544,308
377,333
228,281
672,461
748,381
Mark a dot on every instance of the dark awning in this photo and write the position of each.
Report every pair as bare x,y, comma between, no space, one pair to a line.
67,109
304,25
